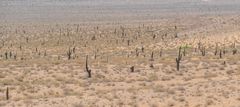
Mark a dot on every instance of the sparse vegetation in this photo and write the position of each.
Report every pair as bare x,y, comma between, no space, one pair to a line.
171,61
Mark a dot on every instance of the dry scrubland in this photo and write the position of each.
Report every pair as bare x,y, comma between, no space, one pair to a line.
132,65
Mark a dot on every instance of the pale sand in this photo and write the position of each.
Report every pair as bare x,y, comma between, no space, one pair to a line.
51,80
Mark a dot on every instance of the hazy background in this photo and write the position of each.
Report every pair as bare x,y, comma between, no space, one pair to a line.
78,11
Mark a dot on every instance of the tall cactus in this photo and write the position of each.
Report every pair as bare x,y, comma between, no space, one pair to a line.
203,51
220,53
87,68
234,51
160,52
178,59
69,54
7,94
152,59
132,68
6,55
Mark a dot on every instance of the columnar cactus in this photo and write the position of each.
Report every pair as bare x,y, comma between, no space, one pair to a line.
234,51
203,51
184,51
6,55
87,68
128,42
178,59
69,54
220,53
142,49
132,68
152,56
7,94
160,53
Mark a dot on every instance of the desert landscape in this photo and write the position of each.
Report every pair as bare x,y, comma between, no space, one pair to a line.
119,53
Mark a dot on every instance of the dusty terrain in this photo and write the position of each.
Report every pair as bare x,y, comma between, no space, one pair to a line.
45,65
91,53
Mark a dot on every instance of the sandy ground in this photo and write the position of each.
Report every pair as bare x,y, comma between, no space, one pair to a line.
36,69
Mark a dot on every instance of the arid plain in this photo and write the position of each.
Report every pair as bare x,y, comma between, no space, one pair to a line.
177,60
